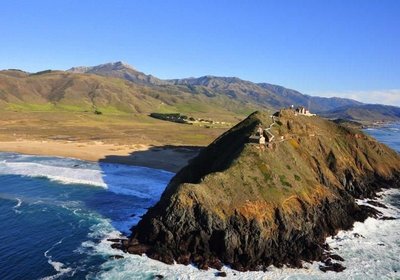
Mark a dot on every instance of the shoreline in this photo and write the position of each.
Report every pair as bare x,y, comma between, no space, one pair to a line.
169,158
379,124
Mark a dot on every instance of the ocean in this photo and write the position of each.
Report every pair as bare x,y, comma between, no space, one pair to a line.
57,213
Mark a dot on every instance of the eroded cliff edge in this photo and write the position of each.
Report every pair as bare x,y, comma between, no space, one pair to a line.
248,207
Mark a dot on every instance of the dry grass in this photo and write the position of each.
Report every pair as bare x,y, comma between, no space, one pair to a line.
117,129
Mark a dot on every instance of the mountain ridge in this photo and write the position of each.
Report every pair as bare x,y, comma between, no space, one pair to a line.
219,91
122,70
76,92
370,112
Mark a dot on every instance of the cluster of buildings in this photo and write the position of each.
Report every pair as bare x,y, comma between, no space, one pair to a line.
263,136
302,111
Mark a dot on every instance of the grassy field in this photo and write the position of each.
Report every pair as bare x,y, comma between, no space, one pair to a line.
117,128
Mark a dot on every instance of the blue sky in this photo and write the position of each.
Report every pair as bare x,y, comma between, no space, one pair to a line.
343,48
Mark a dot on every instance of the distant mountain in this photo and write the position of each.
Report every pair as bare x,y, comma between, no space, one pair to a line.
77,92
268,95
119,70
262,93
366,112
314,103
126,89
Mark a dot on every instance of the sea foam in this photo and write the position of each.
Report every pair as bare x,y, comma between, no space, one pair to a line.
66,175
370,250
59,267
142,182
19,203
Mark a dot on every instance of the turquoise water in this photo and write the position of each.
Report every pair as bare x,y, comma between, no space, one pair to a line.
57,213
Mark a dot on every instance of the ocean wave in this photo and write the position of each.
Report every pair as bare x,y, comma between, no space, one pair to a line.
141,182
371,248
59,267
142,267
66,175
19,203
370,251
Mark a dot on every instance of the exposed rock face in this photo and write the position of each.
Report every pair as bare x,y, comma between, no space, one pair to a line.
241,205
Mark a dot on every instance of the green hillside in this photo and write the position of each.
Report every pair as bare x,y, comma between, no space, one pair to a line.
249,206
73,92
119,89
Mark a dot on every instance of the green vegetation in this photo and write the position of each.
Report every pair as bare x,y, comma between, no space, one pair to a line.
172,117
118,128
285,183
58,91
192,108
50,107
183,119
31,107
119,86
267,173
41,72
289,170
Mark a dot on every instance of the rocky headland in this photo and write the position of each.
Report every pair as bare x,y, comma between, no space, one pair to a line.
250,206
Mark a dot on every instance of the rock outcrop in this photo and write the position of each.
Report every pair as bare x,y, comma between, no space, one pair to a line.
239,204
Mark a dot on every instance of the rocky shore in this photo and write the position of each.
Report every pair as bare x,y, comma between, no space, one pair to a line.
239,204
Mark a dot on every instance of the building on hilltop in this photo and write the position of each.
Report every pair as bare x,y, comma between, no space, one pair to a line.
303,111
261,136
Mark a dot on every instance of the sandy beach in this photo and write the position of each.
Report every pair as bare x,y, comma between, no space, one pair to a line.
170,158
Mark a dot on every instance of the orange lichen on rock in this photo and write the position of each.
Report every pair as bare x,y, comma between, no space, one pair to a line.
259,210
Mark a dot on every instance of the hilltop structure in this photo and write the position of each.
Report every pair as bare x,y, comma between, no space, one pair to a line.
303,111
263,136
233,205
259,137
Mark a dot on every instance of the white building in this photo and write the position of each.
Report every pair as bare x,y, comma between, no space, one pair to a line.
303,111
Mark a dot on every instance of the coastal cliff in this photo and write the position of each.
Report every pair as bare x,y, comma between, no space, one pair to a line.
241,204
